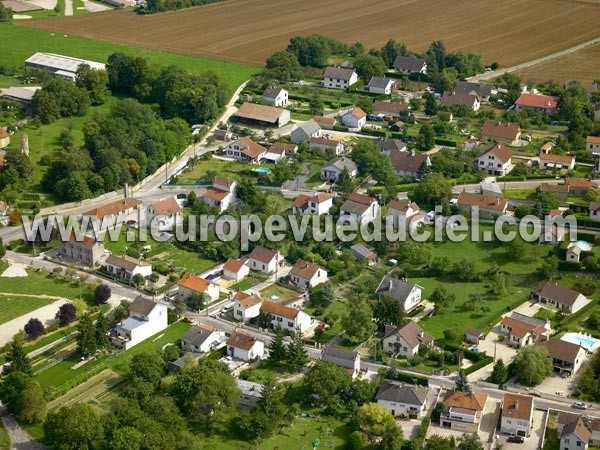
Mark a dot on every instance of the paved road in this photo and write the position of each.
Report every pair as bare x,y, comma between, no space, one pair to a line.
19,439
68,7
500,72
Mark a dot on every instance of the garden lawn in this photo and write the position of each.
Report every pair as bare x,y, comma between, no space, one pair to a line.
24,42
12,307
245,284
39,283
275,289
229,169
331,432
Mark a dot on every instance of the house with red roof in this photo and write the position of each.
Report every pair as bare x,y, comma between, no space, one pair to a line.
356,118
236,269
505,133
538,103
221,194
592,144
246,306
191,285
264,260
496,160
319,203
550,161
286,317
246,150
164,214
488,205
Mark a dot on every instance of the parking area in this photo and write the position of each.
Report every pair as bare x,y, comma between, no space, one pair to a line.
562,387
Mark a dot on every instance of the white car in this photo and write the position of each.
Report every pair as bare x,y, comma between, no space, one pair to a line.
580,405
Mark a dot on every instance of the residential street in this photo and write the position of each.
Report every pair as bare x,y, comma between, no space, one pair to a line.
19,438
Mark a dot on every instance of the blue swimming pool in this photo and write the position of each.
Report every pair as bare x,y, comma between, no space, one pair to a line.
587,342
263,170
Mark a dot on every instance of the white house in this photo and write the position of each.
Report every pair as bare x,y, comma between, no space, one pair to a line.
319,203
275,96
246,306
487,205
406,212
469,100
402,400
406,340
521,330
388,145
326,144
289,319
221,194
355,119
517,414
407,294
244,347
341,357
572,432
305,131
202,339
339,78
406,64
463,411
549,161
381,85
595,210
334,168
146,319
125,267
264,260
496,161
306,275
164,214
361,207
564,299
236,269
566,357
538,103
190,285
592,144
245,150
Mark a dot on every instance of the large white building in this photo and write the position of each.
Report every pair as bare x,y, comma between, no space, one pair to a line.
244,347
339,78
146,318
61,66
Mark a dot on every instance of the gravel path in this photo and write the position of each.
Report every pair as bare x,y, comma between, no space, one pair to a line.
45,314
19,439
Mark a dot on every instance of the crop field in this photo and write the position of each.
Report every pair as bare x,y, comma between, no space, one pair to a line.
582,65
247,31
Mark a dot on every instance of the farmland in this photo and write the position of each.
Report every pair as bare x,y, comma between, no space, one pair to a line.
247,31
582,65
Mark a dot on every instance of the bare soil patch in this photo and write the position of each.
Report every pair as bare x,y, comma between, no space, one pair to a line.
247,31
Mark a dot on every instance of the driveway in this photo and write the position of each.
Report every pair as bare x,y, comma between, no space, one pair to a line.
300,181
533,441
19,439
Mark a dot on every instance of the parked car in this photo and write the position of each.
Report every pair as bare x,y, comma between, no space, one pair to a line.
515,439
580,405
227,309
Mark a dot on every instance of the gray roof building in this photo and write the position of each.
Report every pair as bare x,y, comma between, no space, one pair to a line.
338,73
380,82
387,145
394,287
400,393
340,164
305,131
410,64
272,92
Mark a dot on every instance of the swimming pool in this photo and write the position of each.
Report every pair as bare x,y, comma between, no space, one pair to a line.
587,342
583,245
263,170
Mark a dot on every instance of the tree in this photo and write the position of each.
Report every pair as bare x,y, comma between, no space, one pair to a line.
277,349
102,293
345,183
316,105
322,295
433,190
368,66
426,138
464,269
392,438
430,104
533,364
374,420
391,50
34,328
499,373
594,320
461,382
470,441
66,314
148,367
437,442
297,357
101,331
442,298
138,280
283,65
356,441
74,427
86,336
180,306
549,267
6,14
95,81
23,397
389,311
19,362
327,380
357,323
19,161
126,438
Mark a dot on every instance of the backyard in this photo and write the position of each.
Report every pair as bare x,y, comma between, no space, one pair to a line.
12,306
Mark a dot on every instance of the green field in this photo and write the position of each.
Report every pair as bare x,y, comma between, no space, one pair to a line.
39,283
25,41
230,169
12,307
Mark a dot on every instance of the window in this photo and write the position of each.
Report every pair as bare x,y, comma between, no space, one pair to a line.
290,324
578,443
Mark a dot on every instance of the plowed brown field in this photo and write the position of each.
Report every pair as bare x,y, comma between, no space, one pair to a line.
583,65
247,31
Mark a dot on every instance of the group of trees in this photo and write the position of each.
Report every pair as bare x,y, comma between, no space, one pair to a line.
92,336
6,13
293,355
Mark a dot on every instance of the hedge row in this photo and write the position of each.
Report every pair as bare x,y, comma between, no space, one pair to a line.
469,354
341,128
417,443
587,223
409,378
373,132
526,177
445,142
579,315
478,365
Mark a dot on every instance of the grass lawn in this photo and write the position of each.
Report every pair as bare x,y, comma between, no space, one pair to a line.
12,307
26,41
4,439
331,432
283,293
245,284
526,194
230,169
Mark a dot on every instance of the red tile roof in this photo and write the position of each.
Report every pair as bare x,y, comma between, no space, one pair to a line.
216,194
166,207
234,265
194,283
593,140
241,340
537,101
558,158
262,254
500,151
579,182
279,310
483,201
499,130
113,208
